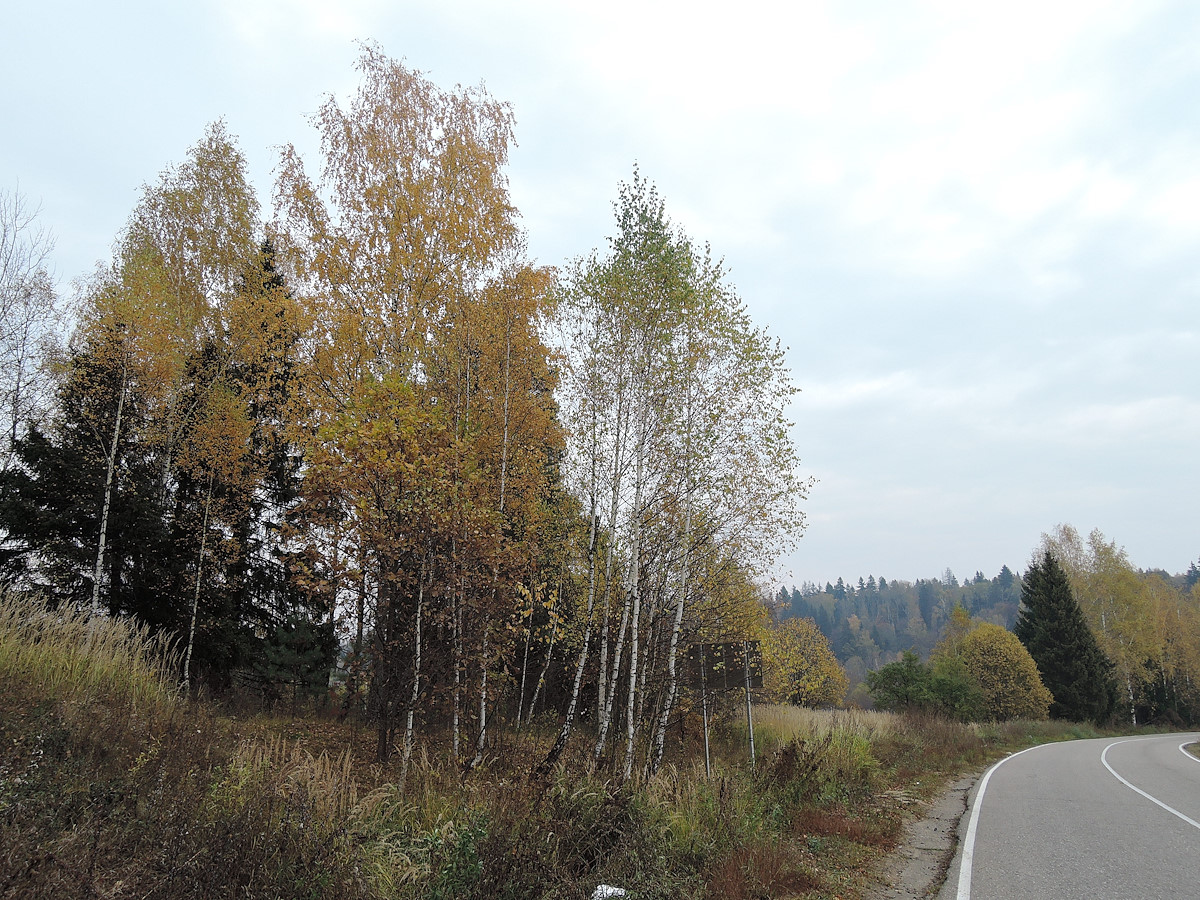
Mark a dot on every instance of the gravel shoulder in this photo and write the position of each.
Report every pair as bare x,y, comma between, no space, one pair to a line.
917,868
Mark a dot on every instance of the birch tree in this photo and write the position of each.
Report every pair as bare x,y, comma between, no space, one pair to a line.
410,267
677,406
28,319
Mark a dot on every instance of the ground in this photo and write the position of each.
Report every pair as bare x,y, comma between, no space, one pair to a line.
917,868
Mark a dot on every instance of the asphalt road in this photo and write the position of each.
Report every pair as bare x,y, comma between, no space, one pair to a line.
1108,818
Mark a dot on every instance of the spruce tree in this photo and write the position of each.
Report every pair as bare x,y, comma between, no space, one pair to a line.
1053,629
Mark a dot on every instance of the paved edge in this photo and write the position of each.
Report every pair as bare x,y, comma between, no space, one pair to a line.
917,868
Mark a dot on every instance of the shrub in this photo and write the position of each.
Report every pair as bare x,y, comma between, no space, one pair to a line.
1012,688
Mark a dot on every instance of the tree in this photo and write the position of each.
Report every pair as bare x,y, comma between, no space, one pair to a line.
27,319
955,691
1116,604
1012,688
1054,630
426,410
902,685
800,668
943,687
64,494
676,403
170,412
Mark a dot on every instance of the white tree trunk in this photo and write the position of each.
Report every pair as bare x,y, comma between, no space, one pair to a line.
187,659
660,732
635,613
98,572
541,682
416,686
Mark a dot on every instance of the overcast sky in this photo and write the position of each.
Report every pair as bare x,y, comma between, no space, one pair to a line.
976,226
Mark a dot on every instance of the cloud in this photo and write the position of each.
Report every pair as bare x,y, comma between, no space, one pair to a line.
270,27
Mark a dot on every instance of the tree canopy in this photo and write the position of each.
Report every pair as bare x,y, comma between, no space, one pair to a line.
1053,629
342,447
800,668
1006,673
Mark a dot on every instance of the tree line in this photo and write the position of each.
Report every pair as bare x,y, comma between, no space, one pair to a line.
872,622
1111,641
369,433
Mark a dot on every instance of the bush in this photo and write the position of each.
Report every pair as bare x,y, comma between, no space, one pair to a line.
1012,688
946,687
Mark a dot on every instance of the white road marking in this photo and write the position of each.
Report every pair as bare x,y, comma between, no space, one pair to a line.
968,853
1138,790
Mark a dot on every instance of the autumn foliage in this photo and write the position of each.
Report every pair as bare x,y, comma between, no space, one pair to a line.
366,452
800,667
1007,674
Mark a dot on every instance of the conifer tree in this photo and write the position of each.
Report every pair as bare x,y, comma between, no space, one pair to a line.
1052,627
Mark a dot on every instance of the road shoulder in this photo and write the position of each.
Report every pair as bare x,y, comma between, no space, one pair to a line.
917,868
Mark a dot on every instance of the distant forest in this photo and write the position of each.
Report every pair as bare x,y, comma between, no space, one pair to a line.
869,624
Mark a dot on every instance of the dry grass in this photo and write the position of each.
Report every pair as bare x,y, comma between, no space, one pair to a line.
64,654
776,725
761,871
111,784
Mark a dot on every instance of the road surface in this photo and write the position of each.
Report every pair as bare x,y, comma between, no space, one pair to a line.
1107,818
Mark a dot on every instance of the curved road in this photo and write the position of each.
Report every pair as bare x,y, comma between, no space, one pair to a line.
1115,817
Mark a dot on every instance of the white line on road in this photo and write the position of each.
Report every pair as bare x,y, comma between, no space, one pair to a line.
1138,790
968,853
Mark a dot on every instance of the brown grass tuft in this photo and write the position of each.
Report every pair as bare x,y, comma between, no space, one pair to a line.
762,871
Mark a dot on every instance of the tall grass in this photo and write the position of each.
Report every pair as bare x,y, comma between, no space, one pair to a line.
63,654
776,725
112,784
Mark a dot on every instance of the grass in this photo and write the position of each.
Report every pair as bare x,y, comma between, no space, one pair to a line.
66,655
114,785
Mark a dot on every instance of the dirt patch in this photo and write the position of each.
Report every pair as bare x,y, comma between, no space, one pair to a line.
917,868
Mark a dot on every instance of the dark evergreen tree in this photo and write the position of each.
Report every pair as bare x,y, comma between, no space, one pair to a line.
928,594
823,619
275,591
50,503
1053,629
799,607
1006,578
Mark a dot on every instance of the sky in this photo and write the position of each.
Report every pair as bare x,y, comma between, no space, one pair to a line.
975,226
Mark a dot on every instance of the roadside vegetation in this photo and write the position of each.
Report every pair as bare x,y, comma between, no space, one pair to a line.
113,784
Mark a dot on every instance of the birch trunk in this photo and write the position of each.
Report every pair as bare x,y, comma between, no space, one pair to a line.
603,700
525,665
635,613
456,618
660,733
481,740
187,659
537,688
98,572
615,669
416,686
564,734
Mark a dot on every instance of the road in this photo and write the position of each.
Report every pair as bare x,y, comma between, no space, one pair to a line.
1108,818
